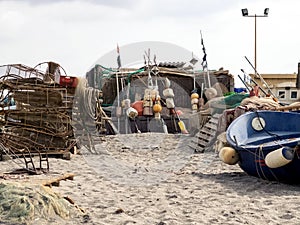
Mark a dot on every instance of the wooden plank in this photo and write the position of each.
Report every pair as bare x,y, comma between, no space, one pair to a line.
196,142
196,147
211,126
214,120
56,181
60,154
206,130
202,143
203,135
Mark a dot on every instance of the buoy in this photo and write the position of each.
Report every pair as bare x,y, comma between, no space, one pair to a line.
194,95
279,157
154,94
165,128
157,108
126,103
118,111
228,155
179,112
168,93
168,83
170,103
138,105
131,112
194,101
195,107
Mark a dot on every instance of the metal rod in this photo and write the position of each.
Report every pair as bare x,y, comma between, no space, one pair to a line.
256,84
244,83
261,78
255,65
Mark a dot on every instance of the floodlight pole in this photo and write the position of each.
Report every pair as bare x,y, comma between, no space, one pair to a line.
255,58
245,14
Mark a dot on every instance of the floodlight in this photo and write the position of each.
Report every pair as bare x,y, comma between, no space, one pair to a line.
266,12
245,12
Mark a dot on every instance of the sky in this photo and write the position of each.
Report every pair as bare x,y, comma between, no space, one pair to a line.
77,33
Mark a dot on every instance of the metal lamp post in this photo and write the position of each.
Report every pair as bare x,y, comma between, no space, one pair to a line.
245,14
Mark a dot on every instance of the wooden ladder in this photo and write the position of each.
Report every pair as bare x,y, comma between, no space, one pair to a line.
206,135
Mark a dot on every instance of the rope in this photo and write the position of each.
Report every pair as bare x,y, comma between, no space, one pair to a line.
258,162
268,132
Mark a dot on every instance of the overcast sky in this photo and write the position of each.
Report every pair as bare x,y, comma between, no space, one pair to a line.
76,34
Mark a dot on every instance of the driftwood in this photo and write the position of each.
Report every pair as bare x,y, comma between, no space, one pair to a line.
55,181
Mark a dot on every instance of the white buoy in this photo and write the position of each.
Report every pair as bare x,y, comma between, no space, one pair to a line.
228,155
165,129
279,157
131,112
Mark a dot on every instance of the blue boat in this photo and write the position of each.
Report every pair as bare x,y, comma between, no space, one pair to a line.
267,144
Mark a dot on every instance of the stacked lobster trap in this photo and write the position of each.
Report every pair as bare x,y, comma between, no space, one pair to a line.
35,112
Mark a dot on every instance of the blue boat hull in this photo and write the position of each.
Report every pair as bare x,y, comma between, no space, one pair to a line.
253,163
254,141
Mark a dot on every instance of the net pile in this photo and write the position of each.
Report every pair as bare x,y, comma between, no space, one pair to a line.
21,204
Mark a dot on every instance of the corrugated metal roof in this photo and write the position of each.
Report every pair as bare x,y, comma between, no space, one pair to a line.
172,64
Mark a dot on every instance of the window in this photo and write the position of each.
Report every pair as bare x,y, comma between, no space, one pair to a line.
294,94
281,94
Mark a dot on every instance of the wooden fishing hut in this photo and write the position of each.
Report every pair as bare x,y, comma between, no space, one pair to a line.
130,83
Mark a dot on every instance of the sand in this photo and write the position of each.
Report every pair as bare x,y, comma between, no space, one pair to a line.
156,179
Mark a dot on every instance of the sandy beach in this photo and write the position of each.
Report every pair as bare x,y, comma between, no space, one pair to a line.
157,179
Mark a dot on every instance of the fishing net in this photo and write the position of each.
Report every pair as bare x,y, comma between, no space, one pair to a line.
21,204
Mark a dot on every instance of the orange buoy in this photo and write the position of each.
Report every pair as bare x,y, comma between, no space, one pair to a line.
194,95
157,108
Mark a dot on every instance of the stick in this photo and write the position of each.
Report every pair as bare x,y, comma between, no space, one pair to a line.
256,84
202,90
204,62
259,87
181,124
269,89
244,83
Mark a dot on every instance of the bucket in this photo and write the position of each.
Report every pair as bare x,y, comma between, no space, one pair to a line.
279,157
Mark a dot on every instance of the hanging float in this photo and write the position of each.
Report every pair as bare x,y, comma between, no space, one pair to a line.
279,157
194,102
228,155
